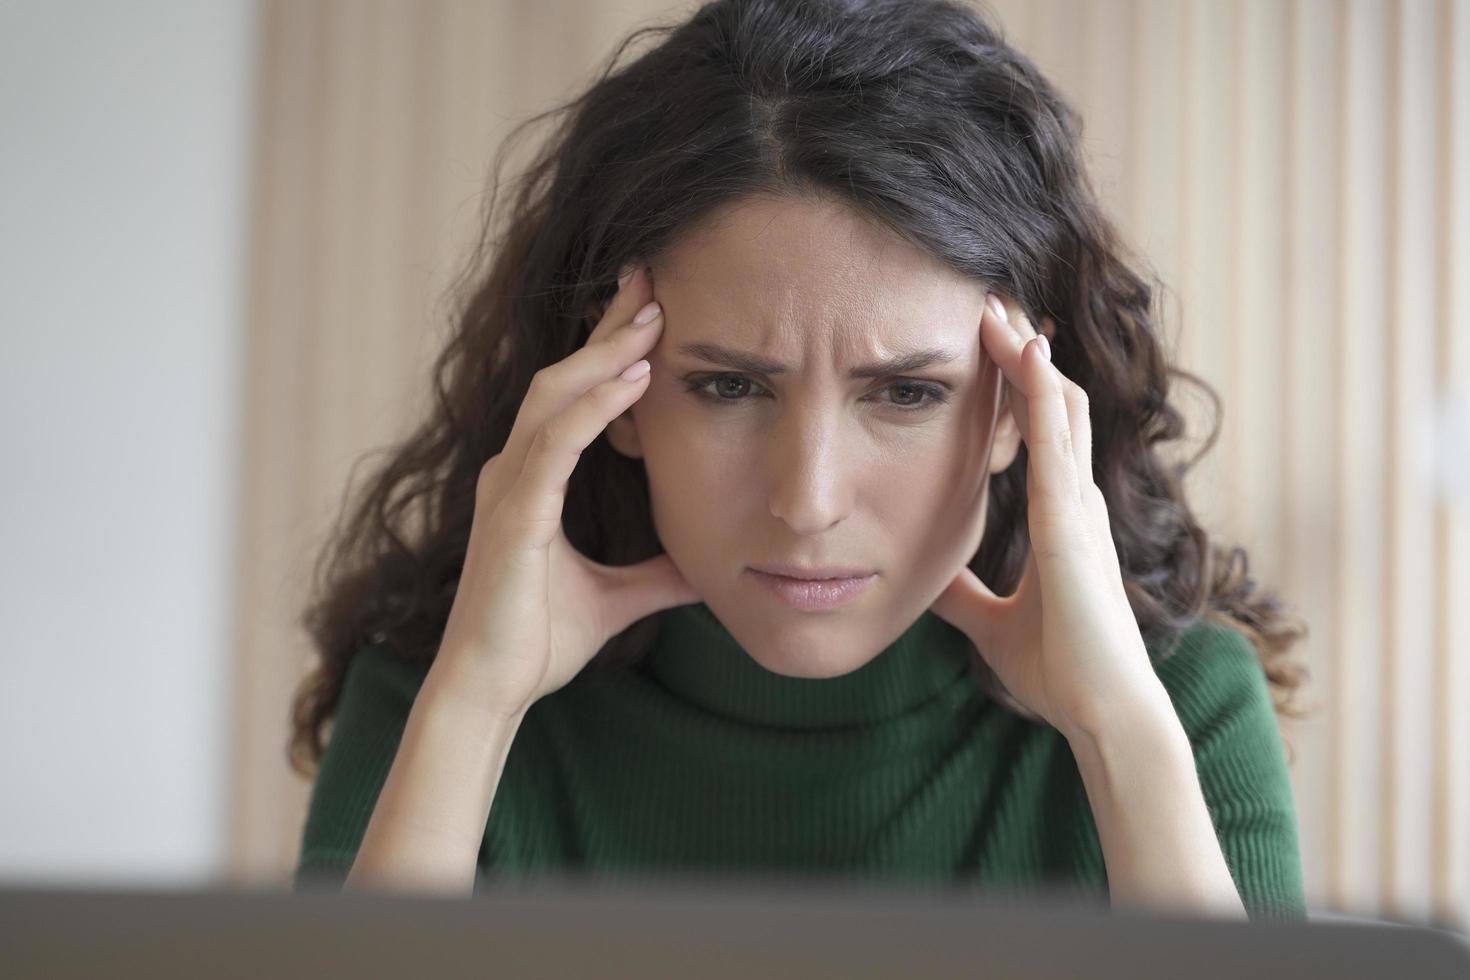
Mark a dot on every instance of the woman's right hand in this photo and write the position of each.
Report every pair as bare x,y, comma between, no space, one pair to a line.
530,610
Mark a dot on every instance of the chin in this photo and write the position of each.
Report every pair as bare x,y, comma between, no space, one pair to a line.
807,672
803,660
795,644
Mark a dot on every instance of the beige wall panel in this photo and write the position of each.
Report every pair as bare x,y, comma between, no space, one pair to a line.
1295,174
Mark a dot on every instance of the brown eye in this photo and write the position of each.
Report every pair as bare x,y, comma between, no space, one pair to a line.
919,396
739,386
915,394
732,388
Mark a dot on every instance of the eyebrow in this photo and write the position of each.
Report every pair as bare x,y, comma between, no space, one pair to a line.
754,363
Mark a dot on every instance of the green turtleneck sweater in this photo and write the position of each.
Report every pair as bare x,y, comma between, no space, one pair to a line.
700,760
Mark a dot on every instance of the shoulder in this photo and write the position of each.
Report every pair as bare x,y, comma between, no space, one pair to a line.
1216,681
379,678
378,690
1206,647
1222,697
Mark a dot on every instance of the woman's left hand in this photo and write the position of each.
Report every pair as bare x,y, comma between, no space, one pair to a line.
1066,644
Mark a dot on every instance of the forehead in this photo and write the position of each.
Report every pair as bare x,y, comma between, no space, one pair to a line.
791,277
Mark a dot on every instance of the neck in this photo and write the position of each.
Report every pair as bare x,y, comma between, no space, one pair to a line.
698,659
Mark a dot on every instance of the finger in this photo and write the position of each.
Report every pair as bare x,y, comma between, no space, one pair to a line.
1020,333
1079,420
1079,417
1017,318
1093,514
1098,508
644,588
1078,409
532,508
635,289
556,386
968,603
1053,494
1003,346
1019,322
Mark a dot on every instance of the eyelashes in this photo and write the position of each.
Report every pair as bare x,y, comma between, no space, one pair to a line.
932,395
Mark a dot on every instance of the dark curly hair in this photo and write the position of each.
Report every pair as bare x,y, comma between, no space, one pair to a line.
914,112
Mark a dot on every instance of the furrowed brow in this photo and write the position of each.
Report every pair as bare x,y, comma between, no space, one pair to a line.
756,364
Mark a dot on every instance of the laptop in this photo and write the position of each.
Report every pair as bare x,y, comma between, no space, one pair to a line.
572,926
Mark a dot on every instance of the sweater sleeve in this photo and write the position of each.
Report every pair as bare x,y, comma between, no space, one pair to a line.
1223,701
372,712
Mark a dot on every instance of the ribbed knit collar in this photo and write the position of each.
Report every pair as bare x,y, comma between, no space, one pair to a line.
698,660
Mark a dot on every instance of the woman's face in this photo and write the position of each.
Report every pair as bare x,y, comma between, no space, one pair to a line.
811,465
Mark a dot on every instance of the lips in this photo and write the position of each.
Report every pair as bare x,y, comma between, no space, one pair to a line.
814,595
814,572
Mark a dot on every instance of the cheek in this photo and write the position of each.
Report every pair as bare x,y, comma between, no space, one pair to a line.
676,441
686,470
925,486
932,495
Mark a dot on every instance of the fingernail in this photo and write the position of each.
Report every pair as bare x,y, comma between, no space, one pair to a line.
1044,345
636,370
625,275
647,314
996,306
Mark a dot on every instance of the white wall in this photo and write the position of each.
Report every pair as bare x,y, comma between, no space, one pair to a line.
124,174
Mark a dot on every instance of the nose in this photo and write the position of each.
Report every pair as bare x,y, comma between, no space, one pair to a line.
810,488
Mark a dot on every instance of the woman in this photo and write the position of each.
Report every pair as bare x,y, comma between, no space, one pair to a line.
600,645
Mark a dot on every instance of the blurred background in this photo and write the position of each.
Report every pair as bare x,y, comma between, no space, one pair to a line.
226,235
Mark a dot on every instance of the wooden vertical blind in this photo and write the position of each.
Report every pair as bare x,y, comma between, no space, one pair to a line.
1297,175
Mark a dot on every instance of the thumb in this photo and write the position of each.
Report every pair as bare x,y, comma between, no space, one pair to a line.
970,606
645,588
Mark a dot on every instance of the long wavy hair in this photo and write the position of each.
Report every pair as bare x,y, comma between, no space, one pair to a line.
915,112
